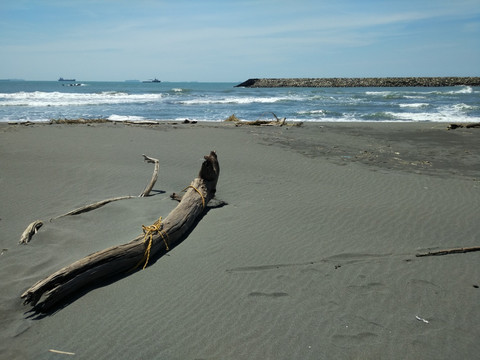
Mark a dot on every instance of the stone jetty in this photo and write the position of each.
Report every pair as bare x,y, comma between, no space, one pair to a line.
362,82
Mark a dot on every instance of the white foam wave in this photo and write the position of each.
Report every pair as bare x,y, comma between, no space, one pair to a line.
396,94
447,113
458,91
464,90
42,99
414,96
414,105
464,107
378,93
408,94
115,117
312,112
239,100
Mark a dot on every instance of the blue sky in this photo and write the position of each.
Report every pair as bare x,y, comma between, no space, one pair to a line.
229,40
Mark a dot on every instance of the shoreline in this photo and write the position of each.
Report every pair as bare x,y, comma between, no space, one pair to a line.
361,82
313,257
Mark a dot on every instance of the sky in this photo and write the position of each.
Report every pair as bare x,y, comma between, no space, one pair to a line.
231,41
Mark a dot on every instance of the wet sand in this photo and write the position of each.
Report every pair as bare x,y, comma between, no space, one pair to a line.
312,258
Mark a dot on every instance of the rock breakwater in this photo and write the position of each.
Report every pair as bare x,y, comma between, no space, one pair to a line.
362,82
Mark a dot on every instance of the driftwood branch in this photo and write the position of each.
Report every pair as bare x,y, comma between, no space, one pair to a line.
277,122
152,182
34,226
31,230
468,126
450,251
98,204
122,259
93,206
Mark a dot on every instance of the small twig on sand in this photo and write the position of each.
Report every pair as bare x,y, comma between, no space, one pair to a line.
61,352
450,251
31,230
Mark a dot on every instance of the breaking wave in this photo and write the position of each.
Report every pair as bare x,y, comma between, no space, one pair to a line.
40,101
43,99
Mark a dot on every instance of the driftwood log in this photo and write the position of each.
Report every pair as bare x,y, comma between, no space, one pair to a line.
468,126
115,261
277,122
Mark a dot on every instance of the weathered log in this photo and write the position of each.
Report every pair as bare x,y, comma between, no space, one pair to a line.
122,259
277,122
31,230
468,126
450,251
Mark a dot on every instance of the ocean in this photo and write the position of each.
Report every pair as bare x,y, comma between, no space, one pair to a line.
45,100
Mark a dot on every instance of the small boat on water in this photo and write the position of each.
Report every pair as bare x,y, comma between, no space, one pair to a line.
152,81
62,79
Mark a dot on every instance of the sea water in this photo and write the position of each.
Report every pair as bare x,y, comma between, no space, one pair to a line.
177,101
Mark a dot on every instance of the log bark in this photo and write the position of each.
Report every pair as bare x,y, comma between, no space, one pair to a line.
132,256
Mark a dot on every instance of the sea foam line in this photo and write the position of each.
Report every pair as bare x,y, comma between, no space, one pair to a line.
41,99
239,100
414,105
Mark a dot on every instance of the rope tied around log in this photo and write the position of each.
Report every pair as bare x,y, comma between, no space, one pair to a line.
198,191
149,231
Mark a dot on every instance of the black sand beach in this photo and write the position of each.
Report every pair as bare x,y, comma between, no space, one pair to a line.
312,258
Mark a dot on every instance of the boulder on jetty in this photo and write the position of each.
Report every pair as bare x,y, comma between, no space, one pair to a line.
362,82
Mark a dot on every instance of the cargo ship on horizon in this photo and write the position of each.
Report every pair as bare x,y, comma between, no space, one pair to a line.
152,81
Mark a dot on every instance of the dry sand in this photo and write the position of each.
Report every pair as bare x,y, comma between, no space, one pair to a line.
312,258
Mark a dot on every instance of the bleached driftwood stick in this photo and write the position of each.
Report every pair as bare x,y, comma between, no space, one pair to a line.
31,230
122,259
98,204
93,206
450,251
62,352
152,182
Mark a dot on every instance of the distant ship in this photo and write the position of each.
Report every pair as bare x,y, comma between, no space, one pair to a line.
62,79
152,81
